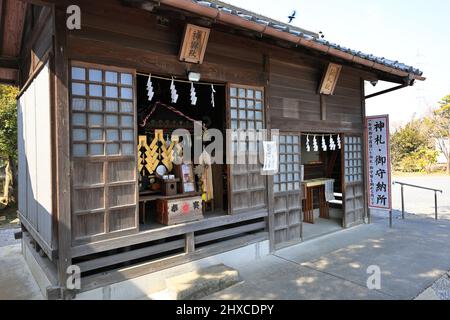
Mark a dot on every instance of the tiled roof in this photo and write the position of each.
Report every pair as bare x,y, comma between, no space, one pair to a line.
307,35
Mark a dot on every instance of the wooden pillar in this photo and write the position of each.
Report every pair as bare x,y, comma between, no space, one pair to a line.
62,151
189,242
270,192
323,107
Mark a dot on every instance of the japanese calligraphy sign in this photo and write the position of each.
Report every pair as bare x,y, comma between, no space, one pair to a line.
379,163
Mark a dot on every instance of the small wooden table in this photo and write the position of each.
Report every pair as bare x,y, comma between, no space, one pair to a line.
308,208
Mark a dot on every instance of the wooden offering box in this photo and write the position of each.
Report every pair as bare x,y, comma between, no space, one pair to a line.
179,209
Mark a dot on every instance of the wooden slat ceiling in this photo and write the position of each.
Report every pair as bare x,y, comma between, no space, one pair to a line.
12,15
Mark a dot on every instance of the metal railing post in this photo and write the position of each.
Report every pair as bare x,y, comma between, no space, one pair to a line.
403,205
435,205
402,185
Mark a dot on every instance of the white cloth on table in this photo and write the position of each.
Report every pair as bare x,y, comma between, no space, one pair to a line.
329,190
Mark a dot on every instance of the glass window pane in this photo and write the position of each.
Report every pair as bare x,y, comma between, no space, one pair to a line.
112,120
258,115
78,73
96,135
112,106
233,92
233,103
111,92
78,89
234,124
112,148
233,113
127,149
127,135
95,105
95,120
242,114
126,106
258,95
242,93
126,93
78,104
95,90
250,115
79,135
259,125
79,119
112,135
242,104
79,150
126,79
258,105
96,149
95,75
111,77
250,93
126,121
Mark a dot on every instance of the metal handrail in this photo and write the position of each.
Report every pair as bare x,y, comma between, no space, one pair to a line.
402,184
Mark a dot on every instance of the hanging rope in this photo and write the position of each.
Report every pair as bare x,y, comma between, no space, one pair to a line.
179,80
174,110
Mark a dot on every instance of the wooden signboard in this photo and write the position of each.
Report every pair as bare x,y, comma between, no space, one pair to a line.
172,211
194,44
379,163
186,174
330,79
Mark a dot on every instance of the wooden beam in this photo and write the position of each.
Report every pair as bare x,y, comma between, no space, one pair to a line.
12,28
129,255
49,251
2,22
386,91
189,242
130,272
162,233
323,108
62,152
9,63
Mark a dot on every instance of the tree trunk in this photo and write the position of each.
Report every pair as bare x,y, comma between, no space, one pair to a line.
6,198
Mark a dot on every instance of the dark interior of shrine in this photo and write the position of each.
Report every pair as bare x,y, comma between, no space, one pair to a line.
168,116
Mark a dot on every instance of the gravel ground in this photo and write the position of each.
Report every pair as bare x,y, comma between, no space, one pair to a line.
7,236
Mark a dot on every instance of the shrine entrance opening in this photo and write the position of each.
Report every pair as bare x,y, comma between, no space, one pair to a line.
322,161
171,193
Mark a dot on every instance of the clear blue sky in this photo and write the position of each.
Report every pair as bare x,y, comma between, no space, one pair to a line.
415,32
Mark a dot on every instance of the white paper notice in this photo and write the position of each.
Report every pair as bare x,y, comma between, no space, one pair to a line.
379,166
270,157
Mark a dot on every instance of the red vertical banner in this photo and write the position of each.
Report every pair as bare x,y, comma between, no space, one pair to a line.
379,162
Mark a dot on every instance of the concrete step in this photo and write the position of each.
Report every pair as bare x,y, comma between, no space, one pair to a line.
198,284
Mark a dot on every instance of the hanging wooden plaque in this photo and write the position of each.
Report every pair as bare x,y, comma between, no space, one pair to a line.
194,44
330,79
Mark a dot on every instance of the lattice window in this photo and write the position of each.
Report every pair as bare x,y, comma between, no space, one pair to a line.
102,112
246,108
104,149
353,158
248,185
289,176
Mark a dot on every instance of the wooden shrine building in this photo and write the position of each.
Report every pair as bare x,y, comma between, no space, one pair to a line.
98,107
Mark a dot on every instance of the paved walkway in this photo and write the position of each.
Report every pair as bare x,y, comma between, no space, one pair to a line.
16,280
411,256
